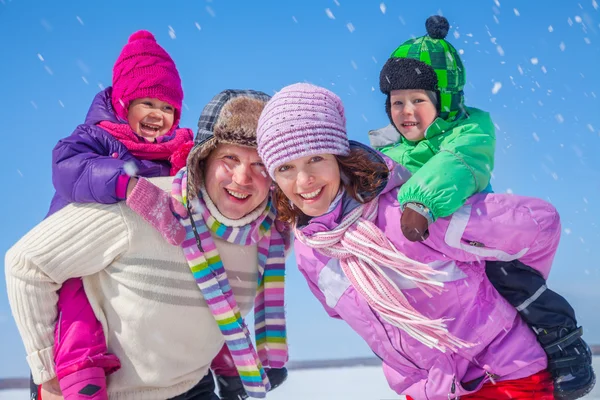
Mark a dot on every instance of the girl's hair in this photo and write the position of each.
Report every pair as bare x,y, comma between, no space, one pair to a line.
362,178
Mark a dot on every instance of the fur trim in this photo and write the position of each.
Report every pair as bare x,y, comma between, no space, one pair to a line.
407,73
238,121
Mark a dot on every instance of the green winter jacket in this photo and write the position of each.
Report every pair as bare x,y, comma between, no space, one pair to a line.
453,162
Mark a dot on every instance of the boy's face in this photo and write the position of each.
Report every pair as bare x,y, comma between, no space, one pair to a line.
412,112
236,180
150,118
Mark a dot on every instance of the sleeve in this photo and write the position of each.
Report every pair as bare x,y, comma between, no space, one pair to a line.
88,167
75,242
500,227
312,286
462,167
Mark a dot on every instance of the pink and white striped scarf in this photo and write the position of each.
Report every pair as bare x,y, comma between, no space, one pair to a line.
363,250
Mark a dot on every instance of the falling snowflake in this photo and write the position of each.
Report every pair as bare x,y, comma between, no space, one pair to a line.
198,26
210,11
83,78
350,27
337,3
587,40
130,168
509,191
500,50
40,57
172,32
536,137
559,118
562,46
534,60
33,104
329,13
461,52
20,173
496,88
550,28
578,19
353,64
61,104
595,4
516,12
590,127
294,19
382,7
79,19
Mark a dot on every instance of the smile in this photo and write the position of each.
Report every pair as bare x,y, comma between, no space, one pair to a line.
311,195
238,195
153,128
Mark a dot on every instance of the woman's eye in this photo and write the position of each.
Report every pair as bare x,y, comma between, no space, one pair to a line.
283,168
316,159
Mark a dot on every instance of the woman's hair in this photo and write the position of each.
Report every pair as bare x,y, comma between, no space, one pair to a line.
362,178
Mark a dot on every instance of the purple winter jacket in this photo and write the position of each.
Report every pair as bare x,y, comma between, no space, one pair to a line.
487,227
87,164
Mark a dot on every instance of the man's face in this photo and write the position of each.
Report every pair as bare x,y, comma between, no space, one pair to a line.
236,180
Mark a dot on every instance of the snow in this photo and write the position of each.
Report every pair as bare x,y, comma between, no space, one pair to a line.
352,383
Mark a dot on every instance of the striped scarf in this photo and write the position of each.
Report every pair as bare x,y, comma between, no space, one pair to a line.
207,268
363,249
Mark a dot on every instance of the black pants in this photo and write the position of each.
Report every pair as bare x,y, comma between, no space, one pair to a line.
204,390
525,289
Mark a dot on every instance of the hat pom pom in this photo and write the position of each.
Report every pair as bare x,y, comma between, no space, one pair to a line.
139,35
437,27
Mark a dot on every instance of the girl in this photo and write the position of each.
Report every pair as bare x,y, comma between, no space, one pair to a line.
131,129
425,308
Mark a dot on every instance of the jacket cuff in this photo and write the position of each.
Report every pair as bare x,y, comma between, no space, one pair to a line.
41,364
121,189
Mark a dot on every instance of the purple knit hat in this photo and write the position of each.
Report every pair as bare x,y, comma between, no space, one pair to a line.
145,69
301,120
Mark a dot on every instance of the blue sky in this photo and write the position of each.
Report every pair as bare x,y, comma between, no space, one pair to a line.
530,64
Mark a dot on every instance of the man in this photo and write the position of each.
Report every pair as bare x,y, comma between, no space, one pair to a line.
152,310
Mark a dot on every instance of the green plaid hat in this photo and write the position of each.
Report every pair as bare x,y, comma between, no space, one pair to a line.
430,63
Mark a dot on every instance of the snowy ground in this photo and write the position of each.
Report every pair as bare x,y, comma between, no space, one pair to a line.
357,383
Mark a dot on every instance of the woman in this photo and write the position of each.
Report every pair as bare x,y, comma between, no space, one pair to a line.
425,308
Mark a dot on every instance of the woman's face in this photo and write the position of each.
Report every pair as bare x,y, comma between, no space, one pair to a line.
311,183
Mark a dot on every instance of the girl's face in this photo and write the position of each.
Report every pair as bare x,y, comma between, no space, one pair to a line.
311,183
150,118
412,112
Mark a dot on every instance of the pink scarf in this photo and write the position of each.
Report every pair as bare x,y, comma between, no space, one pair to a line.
175,150
363,249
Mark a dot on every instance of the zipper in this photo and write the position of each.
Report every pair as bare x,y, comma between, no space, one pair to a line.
451,395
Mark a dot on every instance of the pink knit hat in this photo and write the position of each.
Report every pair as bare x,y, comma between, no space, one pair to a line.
301,120
144,69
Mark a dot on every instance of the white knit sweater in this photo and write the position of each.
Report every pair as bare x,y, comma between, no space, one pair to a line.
140,287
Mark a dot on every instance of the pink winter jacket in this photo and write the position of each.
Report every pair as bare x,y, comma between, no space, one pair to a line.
487,227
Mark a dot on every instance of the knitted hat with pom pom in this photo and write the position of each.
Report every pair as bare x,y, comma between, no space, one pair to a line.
145,69
429,63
